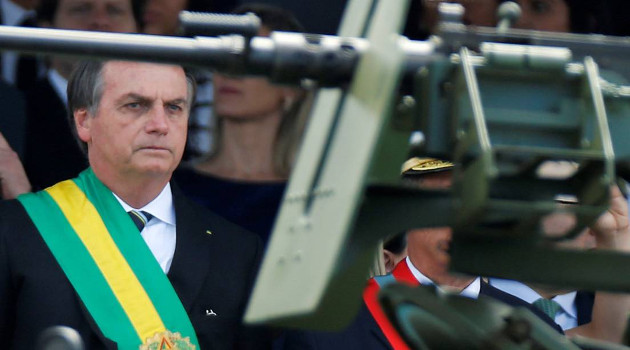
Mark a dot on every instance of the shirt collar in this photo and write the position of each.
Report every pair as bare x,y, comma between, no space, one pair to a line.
524,292
13,14
567,302
59,84
161,207
471,291
515,288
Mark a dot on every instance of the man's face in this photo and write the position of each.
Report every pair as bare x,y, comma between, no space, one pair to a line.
140,126
161,16
476,12
97,15
479,12
428,249
547,15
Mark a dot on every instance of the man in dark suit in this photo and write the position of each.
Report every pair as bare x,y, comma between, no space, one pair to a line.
427,264
51,153
72,256
13,121
16,70
13,180
575,308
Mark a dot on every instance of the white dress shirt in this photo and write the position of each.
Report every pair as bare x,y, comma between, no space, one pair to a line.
159,232
472,291
12,15
566,316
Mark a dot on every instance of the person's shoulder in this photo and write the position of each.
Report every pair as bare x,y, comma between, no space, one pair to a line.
14,220
189,210
184,172
373,284
41,96
9,93
10,209
40,87
194,183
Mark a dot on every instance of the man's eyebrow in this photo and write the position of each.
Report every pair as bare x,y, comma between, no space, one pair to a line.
141,98
179,101
133,96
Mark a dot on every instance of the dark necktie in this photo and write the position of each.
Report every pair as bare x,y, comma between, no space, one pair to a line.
140,218
549,307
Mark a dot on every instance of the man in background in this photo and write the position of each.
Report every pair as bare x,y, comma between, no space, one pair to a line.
51,153
17,72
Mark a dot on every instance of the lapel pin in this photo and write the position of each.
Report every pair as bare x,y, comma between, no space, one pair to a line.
210,313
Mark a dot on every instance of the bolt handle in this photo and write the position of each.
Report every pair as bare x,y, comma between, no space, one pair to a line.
215,24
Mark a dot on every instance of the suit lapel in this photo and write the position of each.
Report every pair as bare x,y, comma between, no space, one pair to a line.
194,253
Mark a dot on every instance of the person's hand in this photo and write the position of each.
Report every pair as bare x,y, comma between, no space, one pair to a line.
612,228
610,310
13,179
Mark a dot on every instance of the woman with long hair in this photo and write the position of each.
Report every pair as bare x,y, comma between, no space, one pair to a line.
259,128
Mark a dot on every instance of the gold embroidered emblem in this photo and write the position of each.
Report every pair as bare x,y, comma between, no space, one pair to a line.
167,341
417,165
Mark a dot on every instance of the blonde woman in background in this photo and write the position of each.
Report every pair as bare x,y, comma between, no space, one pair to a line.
258,133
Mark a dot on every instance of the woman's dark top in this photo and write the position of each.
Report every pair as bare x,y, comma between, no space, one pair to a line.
252,205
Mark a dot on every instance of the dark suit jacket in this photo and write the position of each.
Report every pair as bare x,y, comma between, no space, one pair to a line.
365,334
209,271
52,154
13,119
584,304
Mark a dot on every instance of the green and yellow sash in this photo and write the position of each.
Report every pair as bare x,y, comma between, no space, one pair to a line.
109,265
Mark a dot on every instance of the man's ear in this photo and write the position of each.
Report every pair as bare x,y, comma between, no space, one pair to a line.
83,122
390,260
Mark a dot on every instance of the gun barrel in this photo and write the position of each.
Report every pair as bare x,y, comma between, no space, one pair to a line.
99,45
283,57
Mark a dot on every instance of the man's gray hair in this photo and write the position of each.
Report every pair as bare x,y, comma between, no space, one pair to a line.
85,90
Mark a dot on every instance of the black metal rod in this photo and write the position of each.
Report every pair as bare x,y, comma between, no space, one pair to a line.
283,57
99,45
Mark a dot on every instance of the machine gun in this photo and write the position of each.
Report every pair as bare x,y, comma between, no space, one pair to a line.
345,192
497,142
